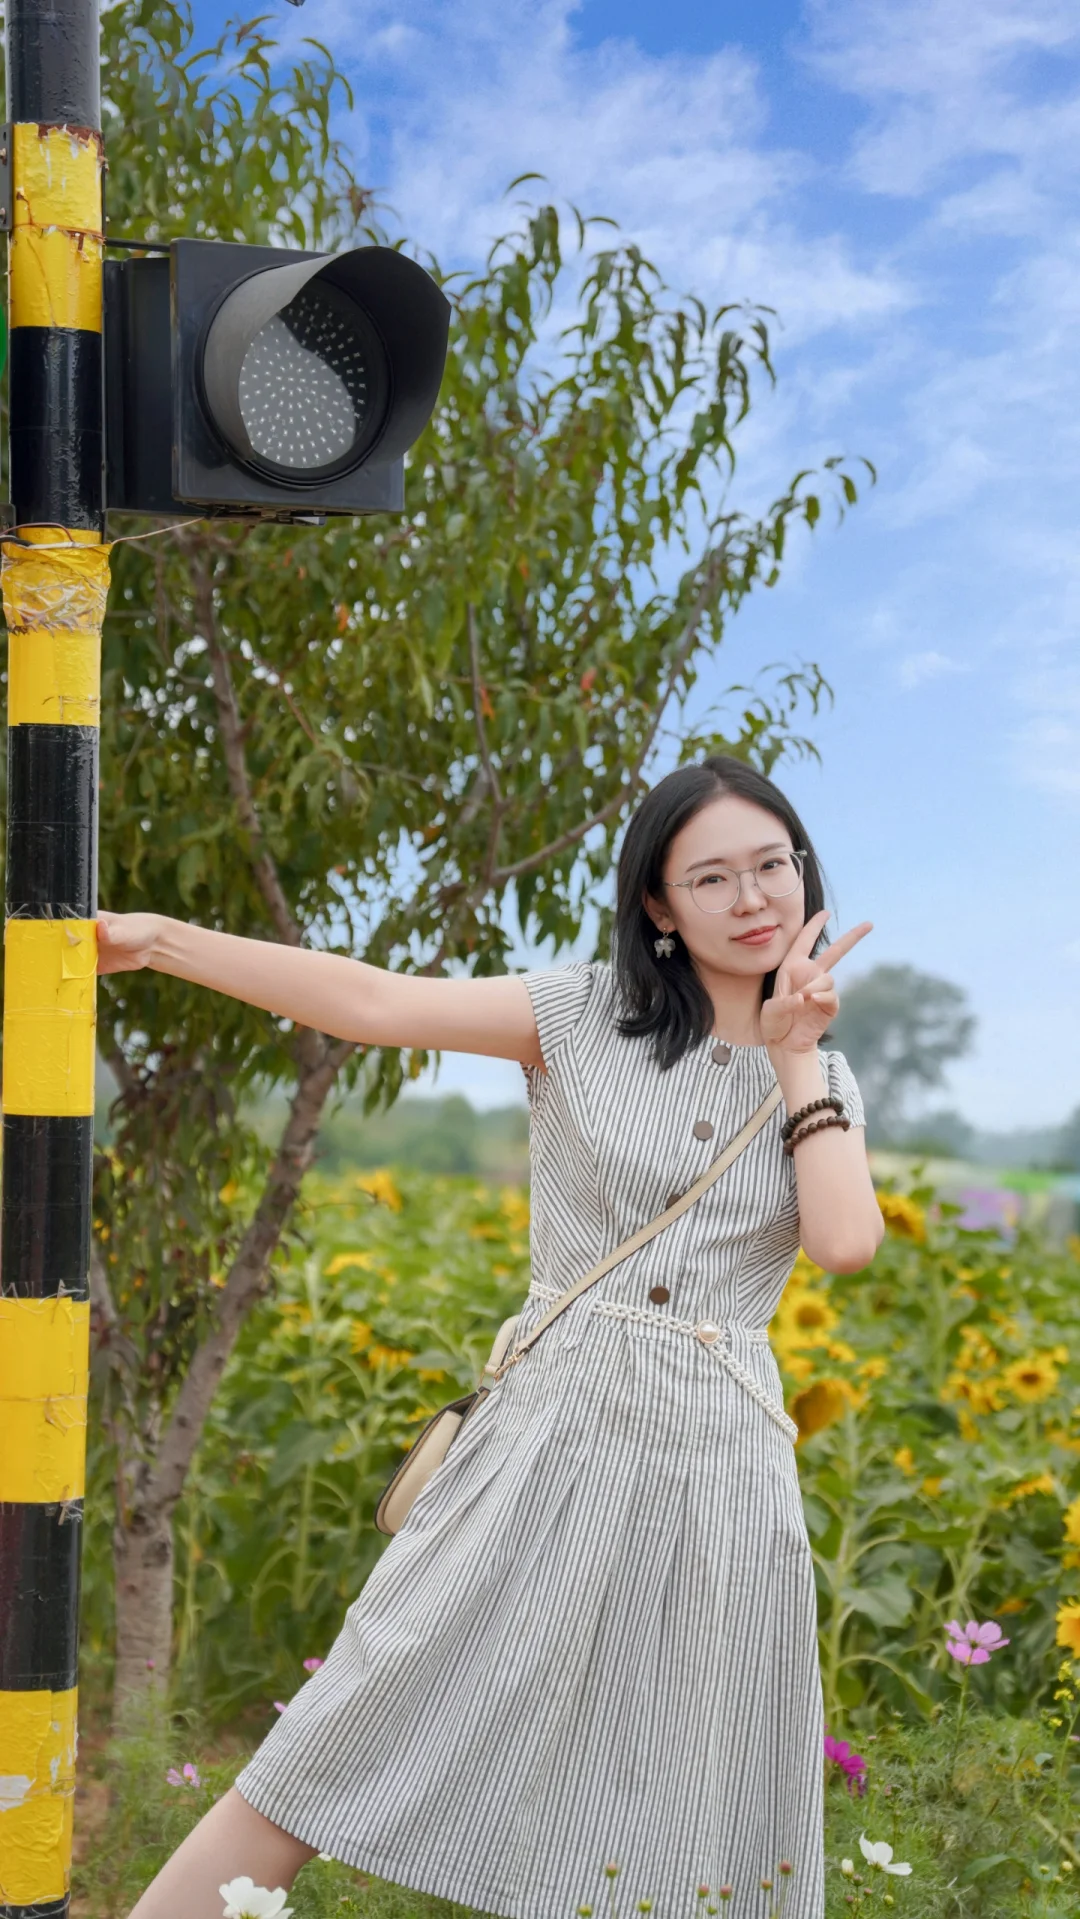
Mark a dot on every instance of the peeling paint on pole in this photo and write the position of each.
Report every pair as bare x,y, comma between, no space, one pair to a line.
54,574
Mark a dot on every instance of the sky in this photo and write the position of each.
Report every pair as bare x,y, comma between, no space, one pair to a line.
897,178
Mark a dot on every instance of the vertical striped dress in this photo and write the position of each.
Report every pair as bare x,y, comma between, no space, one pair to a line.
594,1638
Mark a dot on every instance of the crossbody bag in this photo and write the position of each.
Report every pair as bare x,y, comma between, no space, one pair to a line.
435,1439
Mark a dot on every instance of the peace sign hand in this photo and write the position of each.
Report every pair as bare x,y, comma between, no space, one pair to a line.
804,998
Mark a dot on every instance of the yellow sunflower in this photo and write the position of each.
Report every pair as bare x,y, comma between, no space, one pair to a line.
805,1318
981,1395
1041,1483
380,1185
905,1459
798,1365
902,1216
1071,1517
821,1404
1031,1378
1068,1625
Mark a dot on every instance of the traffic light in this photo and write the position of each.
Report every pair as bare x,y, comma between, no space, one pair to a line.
248,381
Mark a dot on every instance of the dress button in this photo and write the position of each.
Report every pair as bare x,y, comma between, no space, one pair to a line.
659,1295
703,1129
707,1332
721,1052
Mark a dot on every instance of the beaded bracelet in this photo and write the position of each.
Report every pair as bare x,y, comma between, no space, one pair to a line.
815,1106
830,1119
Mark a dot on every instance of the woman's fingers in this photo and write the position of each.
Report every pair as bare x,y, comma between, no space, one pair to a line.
845,943
805,937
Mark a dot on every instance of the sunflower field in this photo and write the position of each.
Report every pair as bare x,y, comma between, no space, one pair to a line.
937,1395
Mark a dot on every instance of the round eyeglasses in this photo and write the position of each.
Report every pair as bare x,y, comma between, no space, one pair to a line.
717,889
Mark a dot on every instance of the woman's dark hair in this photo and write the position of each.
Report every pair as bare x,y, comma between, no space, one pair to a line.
664,997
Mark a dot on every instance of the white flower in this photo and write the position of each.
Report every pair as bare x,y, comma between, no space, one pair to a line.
245,1900
847,1866
879,1853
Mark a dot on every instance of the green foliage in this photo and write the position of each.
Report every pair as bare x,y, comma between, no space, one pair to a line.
386,1312
440,1135
945,1380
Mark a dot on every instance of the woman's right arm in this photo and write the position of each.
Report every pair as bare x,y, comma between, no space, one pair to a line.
344,997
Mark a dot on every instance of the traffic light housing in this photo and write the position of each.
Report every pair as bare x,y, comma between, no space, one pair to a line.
262,382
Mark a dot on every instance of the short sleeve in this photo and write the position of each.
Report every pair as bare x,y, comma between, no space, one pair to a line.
843,1083
559,996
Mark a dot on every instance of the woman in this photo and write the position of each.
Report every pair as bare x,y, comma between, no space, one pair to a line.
594,1638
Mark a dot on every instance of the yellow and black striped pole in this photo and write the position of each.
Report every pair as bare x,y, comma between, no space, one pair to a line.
54,581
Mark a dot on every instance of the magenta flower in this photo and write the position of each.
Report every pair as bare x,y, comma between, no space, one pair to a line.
973,1644
189,1776
312,1665
852,1764
279,1705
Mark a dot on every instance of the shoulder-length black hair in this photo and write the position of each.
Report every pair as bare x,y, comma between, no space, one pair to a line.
665,997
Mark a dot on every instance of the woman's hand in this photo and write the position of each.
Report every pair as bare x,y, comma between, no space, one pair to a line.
804,999
126,941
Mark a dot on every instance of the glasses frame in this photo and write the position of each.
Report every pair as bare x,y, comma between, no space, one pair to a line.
797,852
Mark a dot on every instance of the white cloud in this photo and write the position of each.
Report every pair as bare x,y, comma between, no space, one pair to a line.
940,78
916,668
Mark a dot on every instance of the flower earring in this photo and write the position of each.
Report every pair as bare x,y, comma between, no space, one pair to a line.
664,946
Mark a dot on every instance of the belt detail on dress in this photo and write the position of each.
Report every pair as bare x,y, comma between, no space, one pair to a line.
705,1331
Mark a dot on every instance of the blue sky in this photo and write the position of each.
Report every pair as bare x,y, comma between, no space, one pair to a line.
898,179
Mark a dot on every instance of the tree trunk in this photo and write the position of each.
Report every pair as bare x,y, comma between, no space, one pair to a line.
143,1564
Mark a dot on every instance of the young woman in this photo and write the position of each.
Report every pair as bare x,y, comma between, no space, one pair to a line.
594,1637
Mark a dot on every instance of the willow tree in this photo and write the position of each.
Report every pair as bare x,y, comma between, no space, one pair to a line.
383,737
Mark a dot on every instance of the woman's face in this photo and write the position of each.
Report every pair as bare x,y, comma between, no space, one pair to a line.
728,834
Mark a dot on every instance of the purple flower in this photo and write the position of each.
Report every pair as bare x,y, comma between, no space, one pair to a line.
852,1764
312,1665
279,1705
189,1776
997,1207
973,1644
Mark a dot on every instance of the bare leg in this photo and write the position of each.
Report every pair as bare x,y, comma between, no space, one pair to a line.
230,1840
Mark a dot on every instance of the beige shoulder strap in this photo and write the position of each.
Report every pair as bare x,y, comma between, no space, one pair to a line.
645,1233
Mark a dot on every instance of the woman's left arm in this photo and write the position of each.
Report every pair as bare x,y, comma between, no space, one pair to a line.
840,1222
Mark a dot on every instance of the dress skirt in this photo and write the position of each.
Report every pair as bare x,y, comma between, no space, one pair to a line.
593,1640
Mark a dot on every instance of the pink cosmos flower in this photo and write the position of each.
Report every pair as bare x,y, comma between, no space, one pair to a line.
280,1704
312,1665
189,1776
852,1764
972,1644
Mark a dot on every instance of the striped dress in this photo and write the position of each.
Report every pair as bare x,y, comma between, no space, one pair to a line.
594,1638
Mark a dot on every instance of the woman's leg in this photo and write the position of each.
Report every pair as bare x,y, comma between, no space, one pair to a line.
231,1840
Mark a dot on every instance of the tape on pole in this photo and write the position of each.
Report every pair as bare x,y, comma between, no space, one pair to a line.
44,1380
37,1770
50,978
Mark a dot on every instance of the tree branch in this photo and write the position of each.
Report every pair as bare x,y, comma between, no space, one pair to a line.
498,805
500,875
232,740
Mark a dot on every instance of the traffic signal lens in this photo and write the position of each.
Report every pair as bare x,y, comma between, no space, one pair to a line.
311,385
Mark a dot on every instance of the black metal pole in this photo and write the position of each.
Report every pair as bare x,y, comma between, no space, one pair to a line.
55,579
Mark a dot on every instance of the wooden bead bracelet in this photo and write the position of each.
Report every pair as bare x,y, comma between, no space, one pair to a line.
830,1119
804,1112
